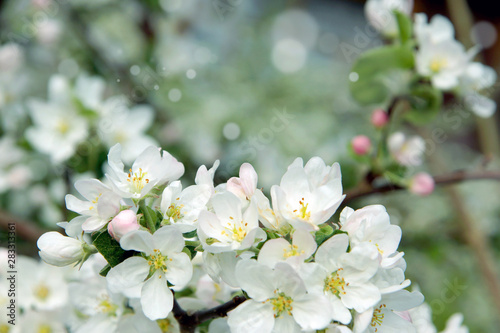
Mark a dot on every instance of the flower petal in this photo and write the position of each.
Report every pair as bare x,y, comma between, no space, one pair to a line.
139,240
157,299
128,274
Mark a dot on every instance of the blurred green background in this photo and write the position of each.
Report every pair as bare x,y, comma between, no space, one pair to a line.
249,81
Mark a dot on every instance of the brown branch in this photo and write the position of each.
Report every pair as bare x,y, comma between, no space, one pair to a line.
26,230
365,189
189,322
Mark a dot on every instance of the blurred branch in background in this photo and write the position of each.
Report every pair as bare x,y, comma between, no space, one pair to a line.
447,179
471,231
463,21
26,230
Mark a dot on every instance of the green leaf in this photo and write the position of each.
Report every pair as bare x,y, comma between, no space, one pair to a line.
425,104
110,249
372,65
323,234
404,26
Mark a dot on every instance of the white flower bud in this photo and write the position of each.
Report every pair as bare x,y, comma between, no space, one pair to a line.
59,250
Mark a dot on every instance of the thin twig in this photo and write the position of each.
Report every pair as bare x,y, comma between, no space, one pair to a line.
365,189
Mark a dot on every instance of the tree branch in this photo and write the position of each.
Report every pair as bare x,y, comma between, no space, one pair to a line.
365,189
189,322
26,230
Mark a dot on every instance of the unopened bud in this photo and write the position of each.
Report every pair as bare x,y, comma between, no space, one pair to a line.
422,184
361,144
122,224
379,118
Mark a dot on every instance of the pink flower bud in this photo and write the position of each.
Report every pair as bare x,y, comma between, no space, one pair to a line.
422,184
379,118
361,144
122,224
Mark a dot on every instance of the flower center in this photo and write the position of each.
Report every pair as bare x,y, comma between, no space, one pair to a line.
437,64
137,180
4,328
95,201
292,251
158,261
41,292
335,283
62,126
174,212
44,328
106,307
164,325
302,212
378,317
236,233
281,304
120,136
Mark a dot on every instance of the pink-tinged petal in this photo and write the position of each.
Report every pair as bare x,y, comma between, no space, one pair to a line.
251,317
168,240
139,240
179,269
248,178
312,312
329,252
273,252
128,274
255,279
157,299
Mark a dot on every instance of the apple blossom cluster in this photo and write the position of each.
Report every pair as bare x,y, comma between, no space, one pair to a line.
72,111
297,269
438,57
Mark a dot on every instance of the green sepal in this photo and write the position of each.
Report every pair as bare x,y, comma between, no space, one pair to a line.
105,270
